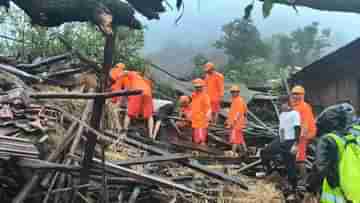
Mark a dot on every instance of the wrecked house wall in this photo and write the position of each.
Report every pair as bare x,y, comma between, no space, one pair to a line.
322,93
333,78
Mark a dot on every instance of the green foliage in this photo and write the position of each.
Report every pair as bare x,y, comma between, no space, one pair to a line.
199,60
248,53
39,41
254,72
242,41
267,6
302,46
248,10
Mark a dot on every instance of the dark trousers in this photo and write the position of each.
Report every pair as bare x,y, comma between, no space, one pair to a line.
283,148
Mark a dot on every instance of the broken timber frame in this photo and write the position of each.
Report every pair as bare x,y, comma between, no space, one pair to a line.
98,109
194,166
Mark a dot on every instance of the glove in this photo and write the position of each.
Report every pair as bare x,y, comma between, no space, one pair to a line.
294,149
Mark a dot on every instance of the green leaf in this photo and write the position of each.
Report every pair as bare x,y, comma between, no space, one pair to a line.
267,6
248,10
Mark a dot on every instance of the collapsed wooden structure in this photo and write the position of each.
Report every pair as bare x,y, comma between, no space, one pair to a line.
55,175
76,169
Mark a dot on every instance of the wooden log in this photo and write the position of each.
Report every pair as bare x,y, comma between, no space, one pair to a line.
192,146
50,188
121,180
134,195
19,73
98,109
47,61
86,114
248,166
150,178
105,95
45,165
262,123
21,196
217,139
64,72
91,63
67,189
189,164
152,159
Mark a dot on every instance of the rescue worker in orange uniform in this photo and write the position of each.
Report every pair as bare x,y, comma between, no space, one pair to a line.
117,83
236,120
184,112
200,112
137,104
308,125
214,82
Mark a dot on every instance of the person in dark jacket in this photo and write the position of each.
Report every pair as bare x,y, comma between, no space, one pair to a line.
337,120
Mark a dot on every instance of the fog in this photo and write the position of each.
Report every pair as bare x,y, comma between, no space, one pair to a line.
201,22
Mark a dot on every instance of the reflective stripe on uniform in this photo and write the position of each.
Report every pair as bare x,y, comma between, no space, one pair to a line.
331,198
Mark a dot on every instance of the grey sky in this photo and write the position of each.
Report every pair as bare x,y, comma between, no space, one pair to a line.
203,25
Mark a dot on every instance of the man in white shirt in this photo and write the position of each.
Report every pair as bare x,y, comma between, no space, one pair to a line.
285,144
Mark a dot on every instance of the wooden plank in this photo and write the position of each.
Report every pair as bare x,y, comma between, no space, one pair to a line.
189,164
192,146
253,164
53,95
46,61
45,165
150,178
97,112
21,196
15,139
152,159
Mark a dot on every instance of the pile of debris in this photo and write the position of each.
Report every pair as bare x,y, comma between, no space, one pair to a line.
43,137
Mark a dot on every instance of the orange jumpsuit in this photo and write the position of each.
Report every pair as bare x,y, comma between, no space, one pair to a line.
308,127
118,83
200,112
214,83
138,103
237,120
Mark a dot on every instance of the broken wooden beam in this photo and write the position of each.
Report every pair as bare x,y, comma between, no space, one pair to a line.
248,166
150,178
189,164
195,147
21,196
152,159
45,165
47,61
105,95
19,73
98,108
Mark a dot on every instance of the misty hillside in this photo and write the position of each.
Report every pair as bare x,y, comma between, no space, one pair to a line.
174,46
178,58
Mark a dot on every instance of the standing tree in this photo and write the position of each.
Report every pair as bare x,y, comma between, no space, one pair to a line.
309,43
199,60
247,52
302,46
241,40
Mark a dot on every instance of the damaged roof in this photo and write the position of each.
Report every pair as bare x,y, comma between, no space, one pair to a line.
342,60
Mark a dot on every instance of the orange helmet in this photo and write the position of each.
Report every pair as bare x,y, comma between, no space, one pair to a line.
209,66
120,66
183,100
298,89
198,82
235,88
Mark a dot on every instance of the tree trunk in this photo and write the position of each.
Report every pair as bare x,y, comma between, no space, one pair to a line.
56,12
